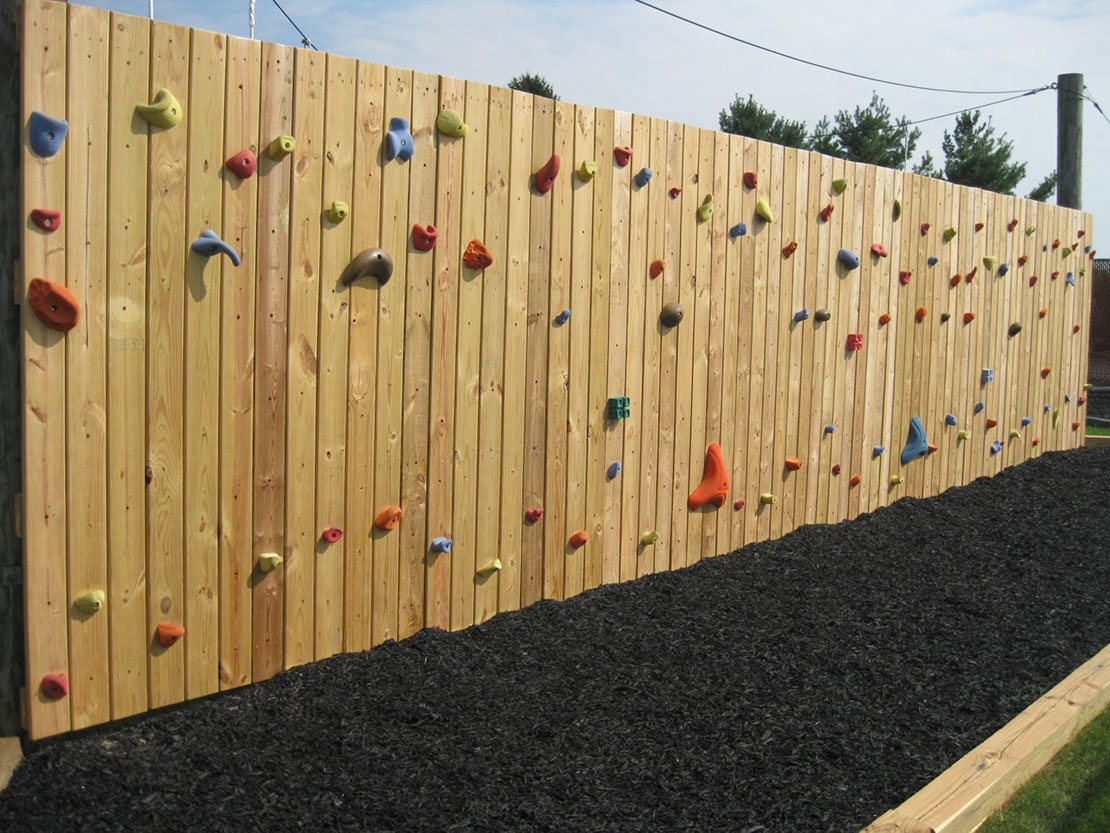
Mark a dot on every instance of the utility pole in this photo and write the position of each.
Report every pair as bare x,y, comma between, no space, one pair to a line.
1069,140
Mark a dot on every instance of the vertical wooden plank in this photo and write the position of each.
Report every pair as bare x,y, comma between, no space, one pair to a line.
86,393
362,365
858,316
331,360
745,473
783,481
772,174
244,79
810,416
965,384
758,162
797,436
202,369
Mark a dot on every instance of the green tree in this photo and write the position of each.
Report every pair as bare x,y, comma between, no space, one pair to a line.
928,167
974,156
1046,190
535,84
748,118
869,134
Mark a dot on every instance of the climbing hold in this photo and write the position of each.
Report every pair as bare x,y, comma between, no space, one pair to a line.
1003,268
714,480
169,633
839,185
830,429
54,304
978,226
47,219
657,267
164,111
738,504
1070,279
563,317
1075,328
46,134
1036,441
916,444
955,279
674,192
269,561
1023,260
949,233
1055,417
450,123
964,435
534,514
243,163
921,313
979,406
643,177
897,480
332,534
1056,243
878,450
996,447
991,423
477,256
705,210
424,237
54,686
855,479
1026,420
836,469
989,262
750,180
933,260
896,213
768,499
801,315
822,314
622,155
578,539
388,518
986,376
1029,230
281,146
1014,434
545,176
971,274
372,263
848,258
904,276
1080,233
1032,280
398,141
338,211
587,170
618,407
1045,371
649,537
91,602
1067,397
491,567
1081,400
1055,275
826,212
878,249
1075,426
209,244
671,314
763,209
1042,312
1015,328
924,229
884,319
949,419
1047,408
969,317
944,316
613,471
793,464
1012,224
855,341
738,230
1087,386
789,248
442,545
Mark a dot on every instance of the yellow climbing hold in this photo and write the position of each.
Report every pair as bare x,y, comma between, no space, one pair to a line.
1055,417
897,210
840,185
164,111
964,435
989,262
451,123
587,170
281,146
705,210
649,538
764,210
949,233
768,498
91,602
489,568
1015,434
897,480
1030,230
338,211
269,561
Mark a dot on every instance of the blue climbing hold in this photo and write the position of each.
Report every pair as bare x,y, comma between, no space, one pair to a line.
987,376
738,230
398,141
848,258
614,470
949,419
878,450
209,244
643,176
1070,279
1067,397
1044,248
996,447
916,443
1003,268
1025,421
1047,408
563,317
441,544
934,260
1087,249
830,429
46,134
802,314
979,406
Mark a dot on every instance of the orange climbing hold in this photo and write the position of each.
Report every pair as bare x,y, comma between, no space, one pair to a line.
578,539
991,422
1036,441
54,304
969,317
878,249
1042,312
1045,371
931,447
1075,426
169,633
793,463
884,319
714,480
477,256
622,155
955,279
1056,243
789,248
545,176
1075,328
921,313
388,518
855,480
657,267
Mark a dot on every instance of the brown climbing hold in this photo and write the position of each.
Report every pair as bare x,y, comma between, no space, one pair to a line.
370,262
424,237
1045,371
904,276
826,212
793,464
750,180
1023,260
622,155
545,176
921,313
955,279
578,539
878,249
657,267
169,633
836,469
714,480
1042,312
856,479
924,229
388,518
969,317
477,256
54,304
47,219
991,422
243,163
978,226
789,248
884,319
1012,224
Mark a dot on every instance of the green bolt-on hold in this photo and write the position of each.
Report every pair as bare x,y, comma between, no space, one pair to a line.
897,212
618,407
989,263
840,185
763,210
949,233
587,170
164,111
897,480
705,210
649,538
269,561
281,146
489,568
768,498
450,123
338,211
964,435
1029,231
1055,417
91,602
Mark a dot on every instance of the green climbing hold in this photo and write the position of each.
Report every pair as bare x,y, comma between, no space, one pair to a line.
897,212
450,123
840,185
705,210
989,262
1029,231
164,111
269,561
281,146
489,568
91,602
338,211
587,170
949,233
763,210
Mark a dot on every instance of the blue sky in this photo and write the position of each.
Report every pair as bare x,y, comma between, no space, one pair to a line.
622,55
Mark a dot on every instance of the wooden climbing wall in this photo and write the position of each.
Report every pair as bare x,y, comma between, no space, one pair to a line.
203,414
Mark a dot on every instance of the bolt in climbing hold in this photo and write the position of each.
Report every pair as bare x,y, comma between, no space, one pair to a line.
269,561
991,423
489,568
827,212
705,210
280,147
243,163
855,480
1015,328
46,134
649,537
169,633
622,155
884,319
878,450
801,315
47,219
916,443
944,316
904,276
209,244
587,170
424,237
793,464
897,480
855,341
921,313
442,545
738,504
164,111
613,470
750,180
989,262
969,317
372,263
789,248
986,376
477,256
563,317
949,419
398,141
830,429
332,534
657,267
338,211
674,192
643,177
763,210
714,481
836,469
54,304
978,226
579,538
924,229
388,518
54,686
545,176
671,314
534,514
768,499
933,260
450,123
839,185
849,258
878,250
896,212
1042,312
1045,371
964,435
949,233
738,230
618,407
91,602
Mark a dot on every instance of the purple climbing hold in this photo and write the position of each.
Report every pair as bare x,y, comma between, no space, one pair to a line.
209,244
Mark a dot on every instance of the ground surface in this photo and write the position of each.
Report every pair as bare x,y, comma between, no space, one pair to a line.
801,685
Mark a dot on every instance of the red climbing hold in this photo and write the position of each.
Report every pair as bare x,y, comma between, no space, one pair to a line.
477,256
534,515
991,422
836,468
1055,275
578,539
789,248
921,313
622,155
1036,441
332,534
1032,279
738,503
955,279
1045,371
674,192
855,341
793,464
750,180
878,249
54,304
971,274
826,212
424,237
969,317
904,276
1075,328
714,481
388,518
47,219
1042,312
856,479
1082,400
1012,224
924,229
1056,243
545,176
1075,426
243,163
978,226
657,267
54,686
1080,233
169,633
884,319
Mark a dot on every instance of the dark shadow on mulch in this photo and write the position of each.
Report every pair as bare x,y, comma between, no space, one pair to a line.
805,684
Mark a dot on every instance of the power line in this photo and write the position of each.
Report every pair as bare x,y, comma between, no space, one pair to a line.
1088,96
817,65
304,38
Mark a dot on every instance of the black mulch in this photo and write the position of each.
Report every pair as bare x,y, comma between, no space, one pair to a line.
806,684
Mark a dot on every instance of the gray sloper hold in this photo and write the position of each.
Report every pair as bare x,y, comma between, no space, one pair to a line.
373,263
848,258
671,314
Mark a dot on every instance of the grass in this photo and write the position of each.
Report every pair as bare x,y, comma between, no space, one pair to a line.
1098,430
1070,795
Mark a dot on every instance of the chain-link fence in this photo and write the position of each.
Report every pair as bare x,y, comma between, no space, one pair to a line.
1098,371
